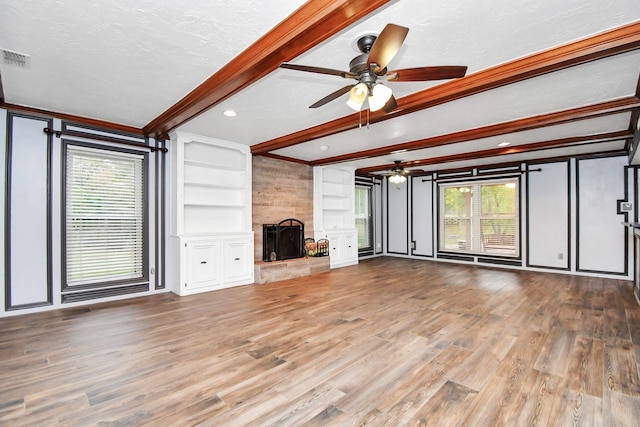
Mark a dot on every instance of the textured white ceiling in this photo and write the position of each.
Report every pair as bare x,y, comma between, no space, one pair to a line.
125,61
129,61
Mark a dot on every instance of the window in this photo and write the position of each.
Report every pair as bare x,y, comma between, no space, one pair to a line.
364,223
480,217
104,217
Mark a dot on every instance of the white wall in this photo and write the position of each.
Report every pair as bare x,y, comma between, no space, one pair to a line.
378,216
397,218
28,281
31,263
422,216
600,236
569,212
548,202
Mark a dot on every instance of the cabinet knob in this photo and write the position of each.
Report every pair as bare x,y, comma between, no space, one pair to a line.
203,262
236,259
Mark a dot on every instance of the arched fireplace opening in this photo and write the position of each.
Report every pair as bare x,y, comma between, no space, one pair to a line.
284,240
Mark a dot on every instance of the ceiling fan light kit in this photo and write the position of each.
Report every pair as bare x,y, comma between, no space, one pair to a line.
357,96
398,173
397,178
371,65
380,94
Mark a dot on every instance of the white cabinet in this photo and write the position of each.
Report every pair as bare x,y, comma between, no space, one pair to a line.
211,230
216,261
343,248
203,264
238,260
334,213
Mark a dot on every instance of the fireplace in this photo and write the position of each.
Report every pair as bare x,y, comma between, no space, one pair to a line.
285,240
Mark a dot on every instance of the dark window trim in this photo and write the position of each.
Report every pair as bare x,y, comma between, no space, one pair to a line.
507,175
160,215
368,250
145,240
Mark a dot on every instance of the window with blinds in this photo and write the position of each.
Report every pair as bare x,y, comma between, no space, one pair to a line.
480,217
364,220
104,217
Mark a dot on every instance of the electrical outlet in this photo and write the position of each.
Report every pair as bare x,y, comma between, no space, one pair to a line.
560,256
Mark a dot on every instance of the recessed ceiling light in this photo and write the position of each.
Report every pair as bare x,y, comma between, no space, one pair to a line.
504,144
324,148
229,113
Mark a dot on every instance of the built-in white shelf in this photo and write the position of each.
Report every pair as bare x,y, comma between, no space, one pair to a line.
334,212
209,185
211,228
212,178
212,165
216,205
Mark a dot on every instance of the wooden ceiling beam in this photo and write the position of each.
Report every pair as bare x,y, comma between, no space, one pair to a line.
493,152
620,40
311,24
534,122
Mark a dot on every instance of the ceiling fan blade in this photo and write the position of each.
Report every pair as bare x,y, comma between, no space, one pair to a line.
415,171
319,70
390,105
427,73
386,46
331,96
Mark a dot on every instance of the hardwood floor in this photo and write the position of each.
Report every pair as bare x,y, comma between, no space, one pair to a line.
390,342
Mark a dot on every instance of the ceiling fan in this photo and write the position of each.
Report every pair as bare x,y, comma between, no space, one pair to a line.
398,174
370,66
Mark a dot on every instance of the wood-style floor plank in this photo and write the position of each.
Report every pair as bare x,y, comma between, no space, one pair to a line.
389,342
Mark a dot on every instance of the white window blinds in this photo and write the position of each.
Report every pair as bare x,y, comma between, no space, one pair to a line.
104,216
364,217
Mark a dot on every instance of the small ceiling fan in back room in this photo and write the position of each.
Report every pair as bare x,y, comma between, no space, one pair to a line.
371,66
398,174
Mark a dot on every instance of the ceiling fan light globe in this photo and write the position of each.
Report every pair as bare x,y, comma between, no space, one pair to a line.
379,97
358,93
354,105
397,179
357,96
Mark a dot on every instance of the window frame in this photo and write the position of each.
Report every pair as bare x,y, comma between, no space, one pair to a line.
476,218
369,249
144,279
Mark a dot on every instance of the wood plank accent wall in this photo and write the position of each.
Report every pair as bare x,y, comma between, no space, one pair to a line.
281,190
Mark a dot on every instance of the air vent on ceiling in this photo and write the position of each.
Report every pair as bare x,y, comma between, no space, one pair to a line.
15,59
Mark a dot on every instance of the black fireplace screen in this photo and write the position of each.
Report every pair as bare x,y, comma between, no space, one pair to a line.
284,240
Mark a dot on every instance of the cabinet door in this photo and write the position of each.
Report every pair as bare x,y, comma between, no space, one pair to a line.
203,267
237,260
335,248
350,246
